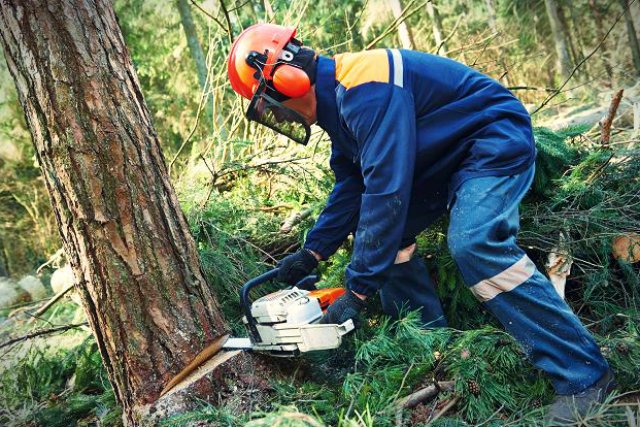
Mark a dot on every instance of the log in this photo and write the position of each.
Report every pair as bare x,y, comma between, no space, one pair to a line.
417,397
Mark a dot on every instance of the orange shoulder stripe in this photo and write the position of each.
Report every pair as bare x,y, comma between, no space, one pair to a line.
353,69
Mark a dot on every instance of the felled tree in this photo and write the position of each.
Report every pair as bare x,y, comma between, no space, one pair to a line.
134,259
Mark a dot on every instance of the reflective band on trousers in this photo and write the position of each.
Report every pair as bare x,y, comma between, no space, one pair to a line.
505,281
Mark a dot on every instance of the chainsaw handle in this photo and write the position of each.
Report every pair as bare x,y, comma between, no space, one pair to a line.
246,303
308,283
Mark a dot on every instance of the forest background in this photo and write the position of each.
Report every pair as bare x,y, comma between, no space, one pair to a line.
250,196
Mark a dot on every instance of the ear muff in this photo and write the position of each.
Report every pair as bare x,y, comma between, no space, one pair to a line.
291,81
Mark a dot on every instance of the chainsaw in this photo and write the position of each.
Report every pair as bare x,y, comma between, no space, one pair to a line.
284,323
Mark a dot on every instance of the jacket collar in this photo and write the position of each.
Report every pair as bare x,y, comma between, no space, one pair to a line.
327,108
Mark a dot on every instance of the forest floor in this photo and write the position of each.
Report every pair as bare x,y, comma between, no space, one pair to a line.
590,192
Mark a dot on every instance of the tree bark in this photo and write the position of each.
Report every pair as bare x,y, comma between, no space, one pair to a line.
134,259
436,22
631,33
404,31
558,37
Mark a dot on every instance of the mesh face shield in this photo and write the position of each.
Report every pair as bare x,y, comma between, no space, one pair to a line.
268,112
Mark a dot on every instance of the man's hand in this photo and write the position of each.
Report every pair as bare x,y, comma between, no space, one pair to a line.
348,306
296,267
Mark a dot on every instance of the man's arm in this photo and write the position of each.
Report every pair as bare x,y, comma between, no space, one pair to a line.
340,215
381,116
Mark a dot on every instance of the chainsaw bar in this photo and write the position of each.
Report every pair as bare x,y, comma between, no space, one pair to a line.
238,344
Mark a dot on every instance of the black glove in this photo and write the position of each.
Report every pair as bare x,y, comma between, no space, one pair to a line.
348,306
296,267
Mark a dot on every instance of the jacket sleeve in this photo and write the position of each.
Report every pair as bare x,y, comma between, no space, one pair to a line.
381,117
340,216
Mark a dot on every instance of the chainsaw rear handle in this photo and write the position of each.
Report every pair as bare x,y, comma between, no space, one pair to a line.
307,283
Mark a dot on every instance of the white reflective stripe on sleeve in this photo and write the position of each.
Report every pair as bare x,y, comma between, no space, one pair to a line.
505,281
398,72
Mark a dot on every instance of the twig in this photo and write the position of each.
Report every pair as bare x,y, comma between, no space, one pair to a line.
216,20
579,64
446,39
445,409
226,15
195,125
40,332
55,257
606,121
406,14
52,301
546,89
423,394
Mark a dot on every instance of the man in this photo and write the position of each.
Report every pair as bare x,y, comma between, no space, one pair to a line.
414,135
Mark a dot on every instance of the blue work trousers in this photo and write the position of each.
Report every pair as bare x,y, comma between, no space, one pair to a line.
484,223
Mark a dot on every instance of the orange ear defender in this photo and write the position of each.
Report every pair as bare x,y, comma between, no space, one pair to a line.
291,81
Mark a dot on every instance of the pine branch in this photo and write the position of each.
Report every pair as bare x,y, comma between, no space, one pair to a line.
41,332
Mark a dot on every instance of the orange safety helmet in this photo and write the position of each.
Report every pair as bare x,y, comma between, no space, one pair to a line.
260,51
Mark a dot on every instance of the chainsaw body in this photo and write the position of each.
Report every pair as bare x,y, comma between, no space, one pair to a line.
284,323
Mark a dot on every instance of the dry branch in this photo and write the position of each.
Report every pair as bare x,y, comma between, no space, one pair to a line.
51,302
294,219
446,408
40,332
607,120
423,394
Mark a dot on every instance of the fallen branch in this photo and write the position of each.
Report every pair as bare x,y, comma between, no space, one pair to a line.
41,332
607,120
417,397
294,219
54,299
445,409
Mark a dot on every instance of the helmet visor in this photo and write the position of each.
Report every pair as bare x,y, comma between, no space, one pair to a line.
267,111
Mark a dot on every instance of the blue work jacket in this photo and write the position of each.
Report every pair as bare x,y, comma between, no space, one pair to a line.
406,128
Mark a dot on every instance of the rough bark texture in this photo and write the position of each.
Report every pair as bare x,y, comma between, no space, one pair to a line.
560,43
631,33
128,242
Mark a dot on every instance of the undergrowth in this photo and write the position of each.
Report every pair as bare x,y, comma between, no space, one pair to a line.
582,198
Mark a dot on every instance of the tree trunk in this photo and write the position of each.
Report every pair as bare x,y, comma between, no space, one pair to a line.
404,31
436,22
559,41
128,242
4,270
633,38
493,24
192,41
566,32
597,15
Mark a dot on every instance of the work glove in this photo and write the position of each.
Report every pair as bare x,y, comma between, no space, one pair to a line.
348,306
296,267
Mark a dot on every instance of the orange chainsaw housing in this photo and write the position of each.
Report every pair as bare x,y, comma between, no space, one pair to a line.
327,296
